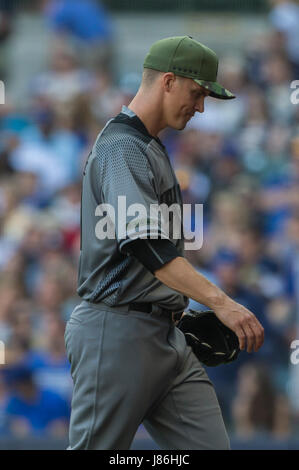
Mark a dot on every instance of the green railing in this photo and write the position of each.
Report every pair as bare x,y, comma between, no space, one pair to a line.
253,6
189,5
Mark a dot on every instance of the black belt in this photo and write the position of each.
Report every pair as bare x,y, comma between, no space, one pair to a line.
149,308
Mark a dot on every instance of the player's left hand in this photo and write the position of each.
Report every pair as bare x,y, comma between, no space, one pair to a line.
243,322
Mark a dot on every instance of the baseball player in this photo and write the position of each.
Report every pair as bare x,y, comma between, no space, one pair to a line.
130,364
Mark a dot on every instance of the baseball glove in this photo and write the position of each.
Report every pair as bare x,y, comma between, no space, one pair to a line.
212,342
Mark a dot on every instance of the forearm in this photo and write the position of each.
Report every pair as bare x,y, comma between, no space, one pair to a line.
180,276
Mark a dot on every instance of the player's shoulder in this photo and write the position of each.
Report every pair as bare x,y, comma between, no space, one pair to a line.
121,134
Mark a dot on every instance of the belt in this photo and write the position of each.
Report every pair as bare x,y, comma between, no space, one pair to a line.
150,308
146,307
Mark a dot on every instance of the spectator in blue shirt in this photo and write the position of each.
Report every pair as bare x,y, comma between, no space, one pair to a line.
33,411
86,19
87,25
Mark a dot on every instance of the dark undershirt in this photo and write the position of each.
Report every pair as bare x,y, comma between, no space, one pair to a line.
153,254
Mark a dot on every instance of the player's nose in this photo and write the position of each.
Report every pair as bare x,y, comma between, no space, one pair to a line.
200,107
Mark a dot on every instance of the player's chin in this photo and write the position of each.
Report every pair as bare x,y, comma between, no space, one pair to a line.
183,125
180,125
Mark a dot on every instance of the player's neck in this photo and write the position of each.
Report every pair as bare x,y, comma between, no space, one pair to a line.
148,109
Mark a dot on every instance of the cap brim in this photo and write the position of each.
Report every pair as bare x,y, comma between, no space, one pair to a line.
216,90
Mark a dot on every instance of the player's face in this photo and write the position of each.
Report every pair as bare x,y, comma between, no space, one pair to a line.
186,98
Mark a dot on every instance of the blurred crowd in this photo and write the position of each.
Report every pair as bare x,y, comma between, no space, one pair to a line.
240,159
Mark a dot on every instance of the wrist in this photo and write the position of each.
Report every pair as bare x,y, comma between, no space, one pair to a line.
218,301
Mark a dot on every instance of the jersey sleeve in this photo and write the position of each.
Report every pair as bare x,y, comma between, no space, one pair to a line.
153,254
128,189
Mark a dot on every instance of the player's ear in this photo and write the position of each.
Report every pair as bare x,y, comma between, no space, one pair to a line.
168,81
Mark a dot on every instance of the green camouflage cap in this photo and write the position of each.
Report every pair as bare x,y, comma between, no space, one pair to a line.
186,57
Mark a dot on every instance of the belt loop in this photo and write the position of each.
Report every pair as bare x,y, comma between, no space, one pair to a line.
156,310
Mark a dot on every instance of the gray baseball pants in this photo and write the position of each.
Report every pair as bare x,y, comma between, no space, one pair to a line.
132,367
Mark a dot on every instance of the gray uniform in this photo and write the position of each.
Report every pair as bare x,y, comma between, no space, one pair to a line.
129,366
125,162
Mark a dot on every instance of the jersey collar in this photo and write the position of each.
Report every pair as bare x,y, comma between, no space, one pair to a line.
136,122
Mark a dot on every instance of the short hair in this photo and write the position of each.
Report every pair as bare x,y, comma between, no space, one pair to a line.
149,76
